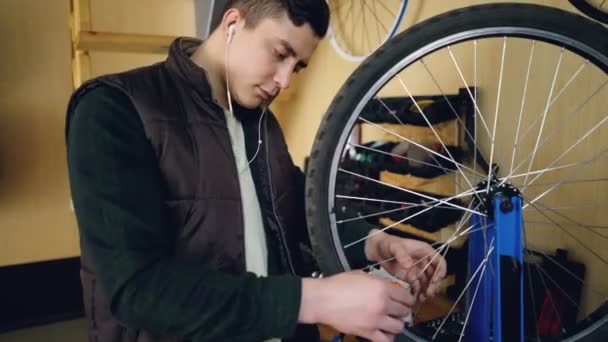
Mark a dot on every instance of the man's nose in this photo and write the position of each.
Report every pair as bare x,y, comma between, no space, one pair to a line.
283,76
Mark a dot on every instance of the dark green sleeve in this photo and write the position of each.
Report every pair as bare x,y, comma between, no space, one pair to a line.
349,232
118,196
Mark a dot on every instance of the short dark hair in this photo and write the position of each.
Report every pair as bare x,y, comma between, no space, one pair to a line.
300,12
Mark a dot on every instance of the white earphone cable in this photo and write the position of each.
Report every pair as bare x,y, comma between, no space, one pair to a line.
229,98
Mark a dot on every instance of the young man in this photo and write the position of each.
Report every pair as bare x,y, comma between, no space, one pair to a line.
189,206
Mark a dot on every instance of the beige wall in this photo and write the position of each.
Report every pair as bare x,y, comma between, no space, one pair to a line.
36,222
36,219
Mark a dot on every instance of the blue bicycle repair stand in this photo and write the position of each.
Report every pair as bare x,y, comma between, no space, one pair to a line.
497,308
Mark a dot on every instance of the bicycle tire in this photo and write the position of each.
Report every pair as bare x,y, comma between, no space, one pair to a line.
541,23
590,10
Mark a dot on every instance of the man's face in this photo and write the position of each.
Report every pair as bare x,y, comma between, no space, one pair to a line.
263,59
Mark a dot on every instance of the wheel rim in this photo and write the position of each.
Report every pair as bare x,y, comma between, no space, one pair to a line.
347,36
515,36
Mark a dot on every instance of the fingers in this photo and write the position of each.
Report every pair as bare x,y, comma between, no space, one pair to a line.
414,281
399,252
396,309
391,325
442,271
401,295
431,290
381,336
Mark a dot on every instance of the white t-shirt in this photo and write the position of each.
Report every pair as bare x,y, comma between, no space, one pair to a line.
256,252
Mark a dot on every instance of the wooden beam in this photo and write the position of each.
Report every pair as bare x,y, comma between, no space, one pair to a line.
81,67
84,40
80,19
123,42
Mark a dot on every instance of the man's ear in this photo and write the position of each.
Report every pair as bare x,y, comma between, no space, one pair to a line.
229,22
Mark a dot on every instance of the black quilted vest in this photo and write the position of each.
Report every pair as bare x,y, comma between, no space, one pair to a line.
187,129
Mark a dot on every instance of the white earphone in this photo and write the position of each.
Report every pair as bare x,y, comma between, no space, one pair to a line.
231,30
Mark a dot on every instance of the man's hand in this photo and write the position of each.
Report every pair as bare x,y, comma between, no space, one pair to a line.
413,261
356,303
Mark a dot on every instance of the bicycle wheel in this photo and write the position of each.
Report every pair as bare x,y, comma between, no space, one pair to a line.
357,28
531,113
596,9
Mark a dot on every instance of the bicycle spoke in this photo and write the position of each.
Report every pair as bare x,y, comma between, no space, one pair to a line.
454,235
338,6
475,102
575,181
378,21
540,268
410,205
348,15
552,188
444,201
531,287
558,95
469,91
564,124
401,157
418,145
545,112
359,26
434,132
393,14
389,226
571,147
523,101
576,224
466,320
565,225
502,63
577,278
370,199
572,236
370,215
393,114
560,167
443,248
481,265
442,245
446,98
364,28
551,300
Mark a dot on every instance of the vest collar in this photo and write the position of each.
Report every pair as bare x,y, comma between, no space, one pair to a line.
179,63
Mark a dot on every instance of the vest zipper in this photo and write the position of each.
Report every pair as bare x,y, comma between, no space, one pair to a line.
274,211
238,182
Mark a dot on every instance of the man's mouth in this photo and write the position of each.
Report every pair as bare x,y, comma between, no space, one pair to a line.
264,94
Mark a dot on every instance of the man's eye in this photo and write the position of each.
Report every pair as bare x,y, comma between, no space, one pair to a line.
279,56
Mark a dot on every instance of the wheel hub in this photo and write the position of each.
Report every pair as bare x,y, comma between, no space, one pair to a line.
502,191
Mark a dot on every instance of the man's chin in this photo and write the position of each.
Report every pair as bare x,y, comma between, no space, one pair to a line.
255,103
